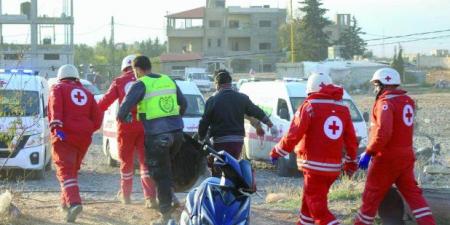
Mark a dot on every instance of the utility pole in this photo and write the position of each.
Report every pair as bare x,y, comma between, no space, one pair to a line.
112,46
292,33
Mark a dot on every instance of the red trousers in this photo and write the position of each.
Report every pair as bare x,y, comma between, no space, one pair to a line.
67,159
132,143
315,202
381,176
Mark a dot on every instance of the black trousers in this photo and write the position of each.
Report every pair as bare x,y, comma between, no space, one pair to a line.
158,152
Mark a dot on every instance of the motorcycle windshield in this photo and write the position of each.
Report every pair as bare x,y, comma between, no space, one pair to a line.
222,207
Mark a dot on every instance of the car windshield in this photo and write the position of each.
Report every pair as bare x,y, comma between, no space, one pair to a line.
354,113
196,106
93,89
199,76
19,103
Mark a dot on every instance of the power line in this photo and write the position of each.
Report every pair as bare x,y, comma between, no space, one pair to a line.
414,40
139,27
95,30
408,35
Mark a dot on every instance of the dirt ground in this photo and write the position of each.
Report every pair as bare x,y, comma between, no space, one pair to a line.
38,200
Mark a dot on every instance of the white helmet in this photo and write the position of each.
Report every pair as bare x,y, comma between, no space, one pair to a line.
316,81
127,61
68,71
387,76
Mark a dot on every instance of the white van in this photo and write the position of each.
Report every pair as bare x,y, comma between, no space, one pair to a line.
191,118
86,84
280,100
23,105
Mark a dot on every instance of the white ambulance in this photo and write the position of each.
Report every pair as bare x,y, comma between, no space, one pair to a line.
191,118
24,132
280,100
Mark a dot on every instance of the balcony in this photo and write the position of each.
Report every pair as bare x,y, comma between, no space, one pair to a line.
186,32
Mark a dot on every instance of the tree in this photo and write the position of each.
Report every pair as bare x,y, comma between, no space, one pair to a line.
351,42
398,63
310,40
101,57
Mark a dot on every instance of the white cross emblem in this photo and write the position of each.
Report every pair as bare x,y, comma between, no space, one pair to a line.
408,115
333,127
78,97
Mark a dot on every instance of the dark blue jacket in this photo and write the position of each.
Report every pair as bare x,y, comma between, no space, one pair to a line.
224,114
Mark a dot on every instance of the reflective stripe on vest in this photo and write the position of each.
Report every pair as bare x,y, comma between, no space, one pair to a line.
160,98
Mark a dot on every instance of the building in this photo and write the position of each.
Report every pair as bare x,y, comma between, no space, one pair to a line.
215,36
440,52
45,38
439,60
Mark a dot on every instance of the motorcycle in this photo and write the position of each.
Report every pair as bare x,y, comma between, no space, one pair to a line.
221,201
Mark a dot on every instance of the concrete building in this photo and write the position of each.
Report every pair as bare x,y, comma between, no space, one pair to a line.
45,38
435,61
214,36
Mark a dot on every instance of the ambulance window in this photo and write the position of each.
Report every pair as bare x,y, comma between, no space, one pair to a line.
354,112
283,110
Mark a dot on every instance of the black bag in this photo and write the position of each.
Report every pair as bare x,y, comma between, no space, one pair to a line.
188,165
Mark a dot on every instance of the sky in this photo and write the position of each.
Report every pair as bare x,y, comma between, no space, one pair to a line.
141,19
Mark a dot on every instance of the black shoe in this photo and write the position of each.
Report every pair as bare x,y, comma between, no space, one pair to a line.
72,213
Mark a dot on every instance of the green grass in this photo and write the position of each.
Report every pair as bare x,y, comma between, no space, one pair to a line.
346,189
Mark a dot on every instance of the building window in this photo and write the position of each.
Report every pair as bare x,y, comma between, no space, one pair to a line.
265,23
220,4
178,67
233,24
235,46
11,57
219,42
215,23
265,46
51,56
209,42
267,68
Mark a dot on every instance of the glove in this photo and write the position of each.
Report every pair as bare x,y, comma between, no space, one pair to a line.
364,160
274,156
260,132
350,168
273,161
60,134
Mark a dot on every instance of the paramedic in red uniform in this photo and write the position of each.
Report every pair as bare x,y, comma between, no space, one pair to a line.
130,138
321,128
73,117
391,147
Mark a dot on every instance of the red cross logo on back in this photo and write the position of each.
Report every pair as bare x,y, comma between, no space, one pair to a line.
408,115
334,127
388,78
79,97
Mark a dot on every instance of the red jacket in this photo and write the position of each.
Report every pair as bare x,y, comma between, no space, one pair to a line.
118,90
321,127
392,125
72,108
